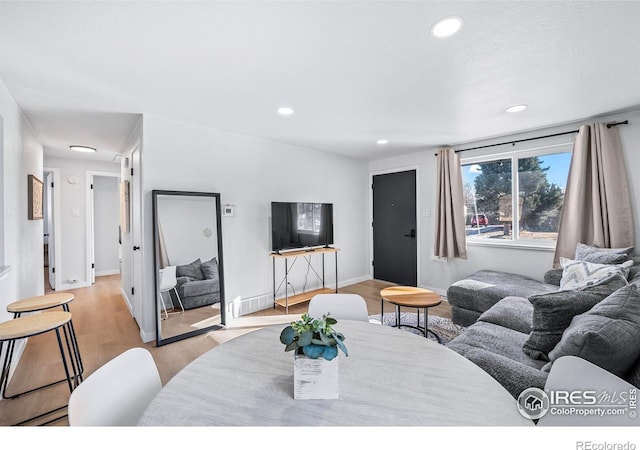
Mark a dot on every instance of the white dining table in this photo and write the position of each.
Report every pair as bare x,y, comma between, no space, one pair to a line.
391,378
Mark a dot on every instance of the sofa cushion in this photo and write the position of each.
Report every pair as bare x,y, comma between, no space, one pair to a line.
210,269
510,312
191,270
495,339
199,287
553,312
607,335
599,255
580,274
514,376
483,289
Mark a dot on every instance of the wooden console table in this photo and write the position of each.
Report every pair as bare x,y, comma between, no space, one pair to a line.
287,300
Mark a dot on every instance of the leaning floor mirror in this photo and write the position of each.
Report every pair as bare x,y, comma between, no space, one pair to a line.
188,264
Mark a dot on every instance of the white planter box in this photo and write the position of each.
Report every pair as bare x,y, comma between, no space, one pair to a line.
315,378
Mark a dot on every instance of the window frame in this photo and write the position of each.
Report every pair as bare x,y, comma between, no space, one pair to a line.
514,155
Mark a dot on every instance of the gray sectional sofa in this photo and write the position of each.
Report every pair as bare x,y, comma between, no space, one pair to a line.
198,283
517,327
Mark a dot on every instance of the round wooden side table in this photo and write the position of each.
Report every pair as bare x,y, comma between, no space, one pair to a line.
411,297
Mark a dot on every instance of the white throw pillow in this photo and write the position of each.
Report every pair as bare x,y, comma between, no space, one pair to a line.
581,274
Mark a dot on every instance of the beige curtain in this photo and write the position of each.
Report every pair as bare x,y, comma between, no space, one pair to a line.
450,238
162,248
597,202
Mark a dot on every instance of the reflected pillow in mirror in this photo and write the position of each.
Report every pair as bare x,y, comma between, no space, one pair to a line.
210,269
192,270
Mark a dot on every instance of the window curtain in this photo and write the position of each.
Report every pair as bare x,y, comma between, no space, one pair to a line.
450,238
162,248
597,201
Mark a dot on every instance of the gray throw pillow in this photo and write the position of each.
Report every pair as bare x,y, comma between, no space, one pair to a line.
210,269
191,270
553,312
607,335
599,255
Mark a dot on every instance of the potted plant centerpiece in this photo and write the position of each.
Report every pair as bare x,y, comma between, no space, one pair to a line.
315,345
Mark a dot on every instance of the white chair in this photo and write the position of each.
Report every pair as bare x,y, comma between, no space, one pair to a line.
117,393
168,283
339,306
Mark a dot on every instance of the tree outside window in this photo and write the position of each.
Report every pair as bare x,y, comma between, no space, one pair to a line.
489,188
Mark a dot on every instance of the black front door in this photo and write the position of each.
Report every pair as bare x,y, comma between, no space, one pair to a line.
394,228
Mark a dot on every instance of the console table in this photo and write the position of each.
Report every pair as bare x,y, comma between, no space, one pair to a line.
288,300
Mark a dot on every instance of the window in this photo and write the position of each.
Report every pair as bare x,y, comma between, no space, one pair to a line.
516,197
309,217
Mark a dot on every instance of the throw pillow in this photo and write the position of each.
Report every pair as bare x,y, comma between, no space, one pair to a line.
210,269
607,335
580,274
599,255
553,311
191,271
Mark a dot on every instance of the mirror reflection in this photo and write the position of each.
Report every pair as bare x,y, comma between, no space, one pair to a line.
188,259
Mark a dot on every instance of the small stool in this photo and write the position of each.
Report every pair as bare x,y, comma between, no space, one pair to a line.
35,304
28,326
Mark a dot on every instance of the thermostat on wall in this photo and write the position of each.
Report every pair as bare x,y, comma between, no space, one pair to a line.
228,210
72,180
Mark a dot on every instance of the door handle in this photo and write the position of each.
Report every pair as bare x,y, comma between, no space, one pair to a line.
412,233
135,247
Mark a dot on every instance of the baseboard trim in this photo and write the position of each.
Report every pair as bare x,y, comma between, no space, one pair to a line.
104,273
67,286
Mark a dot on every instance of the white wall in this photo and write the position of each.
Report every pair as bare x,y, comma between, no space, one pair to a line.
250,173
440,275
21,240
106,214
189,228
73,213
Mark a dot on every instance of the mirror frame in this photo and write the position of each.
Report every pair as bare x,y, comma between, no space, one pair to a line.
156,266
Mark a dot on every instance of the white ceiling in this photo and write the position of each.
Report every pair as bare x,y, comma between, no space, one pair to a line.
354,72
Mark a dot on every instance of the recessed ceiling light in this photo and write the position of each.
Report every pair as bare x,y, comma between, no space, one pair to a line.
382,141
82,148
516,108
446,27
285,111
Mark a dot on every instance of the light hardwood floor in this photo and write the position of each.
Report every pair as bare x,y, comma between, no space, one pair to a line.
105,329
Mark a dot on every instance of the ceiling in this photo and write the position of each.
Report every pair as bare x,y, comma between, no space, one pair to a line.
354,72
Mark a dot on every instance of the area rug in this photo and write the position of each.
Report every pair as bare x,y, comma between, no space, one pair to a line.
443,327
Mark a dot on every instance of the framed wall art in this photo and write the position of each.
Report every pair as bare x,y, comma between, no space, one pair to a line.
35,198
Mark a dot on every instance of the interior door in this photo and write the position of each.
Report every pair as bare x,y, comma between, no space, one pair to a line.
394,228
51,231
136,237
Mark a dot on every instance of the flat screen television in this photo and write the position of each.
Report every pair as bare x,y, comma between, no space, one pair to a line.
301,225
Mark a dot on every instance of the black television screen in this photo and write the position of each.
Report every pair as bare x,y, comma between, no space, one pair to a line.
301,225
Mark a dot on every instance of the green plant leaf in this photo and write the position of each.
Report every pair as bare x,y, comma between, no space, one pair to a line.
313,351
331,321
340,344
292,346
305,338
287,335
329,353
319,342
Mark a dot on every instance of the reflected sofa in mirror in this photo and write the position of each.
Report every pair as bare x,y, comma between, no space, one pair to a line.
188,264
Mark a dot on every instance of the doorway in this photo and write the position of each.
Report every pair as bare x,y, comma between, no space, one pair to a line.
51,223
395,250
103,246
